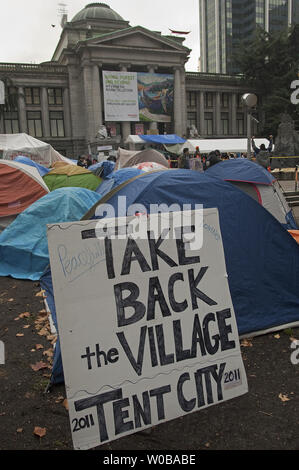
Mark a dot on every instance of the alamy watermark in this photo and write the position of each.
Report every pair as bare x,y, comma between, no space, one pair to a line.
158,221
295,94
2,353
295,353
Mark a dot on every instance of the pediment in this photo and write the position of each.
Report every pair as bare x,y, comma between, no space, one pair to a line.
137,37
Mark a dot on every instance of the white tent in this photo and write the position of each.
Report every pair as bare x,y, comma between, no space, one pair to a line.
205,145
12,145
223,145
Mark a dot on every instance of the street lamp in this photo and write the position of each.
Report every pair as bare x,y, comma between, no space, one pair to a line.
250,101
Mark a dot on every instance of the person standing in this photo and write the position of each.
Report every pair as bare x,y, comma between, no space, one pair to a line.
263,154
183,160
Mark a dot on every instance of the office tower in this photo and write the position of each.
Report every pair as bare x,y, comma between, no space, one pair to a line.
226,23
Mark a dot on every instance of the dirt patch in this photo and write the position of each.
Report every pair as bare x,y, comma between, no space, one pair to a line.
267,417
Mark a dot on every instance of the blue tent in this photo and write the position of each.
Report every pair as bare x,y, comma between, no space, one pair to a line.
262,259
116,178
257,182
107,167
24,245
40,168
241,169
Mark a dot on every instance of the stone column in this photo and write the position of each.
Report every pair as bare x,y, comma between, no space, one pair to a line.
45,112
22,110
218,130
177,112
93,108
125,125
152,125
201,129
67,113
184,103
234,129
96,98
87,86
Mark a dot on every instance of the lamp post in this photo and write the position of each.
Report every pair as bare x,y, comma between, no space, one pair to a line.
250,101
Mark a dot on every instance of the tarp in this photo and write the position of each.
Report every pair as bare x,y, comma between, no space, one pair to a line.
262,258
27,161
12,145
167,139
20,186
24,246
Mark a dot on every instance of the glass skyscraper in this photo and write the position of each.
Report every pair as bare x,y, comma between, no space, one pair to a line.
226,23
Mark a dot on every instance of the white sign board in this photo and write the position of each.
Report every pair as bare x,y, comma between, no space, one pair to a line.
120,96
147,326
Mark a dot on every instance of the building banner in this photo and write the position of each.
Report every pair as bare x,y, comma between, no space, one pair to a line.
156,97
120,96
146,323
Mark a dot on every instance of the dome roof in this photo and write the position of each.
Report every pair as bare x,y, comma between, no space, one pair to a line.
97,11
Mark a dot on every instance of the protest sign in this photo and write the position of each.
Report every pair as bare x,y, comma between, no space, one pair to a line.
146,324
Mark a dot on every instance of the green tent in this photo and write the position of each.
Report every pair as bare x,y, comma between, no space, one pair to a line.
65,175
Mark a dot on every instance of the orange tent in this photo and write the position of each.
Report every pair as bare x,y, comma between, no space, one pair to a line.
295,234
20,186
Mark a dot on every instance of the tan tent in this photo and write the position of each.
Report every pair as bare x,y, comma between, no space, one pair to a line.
127,158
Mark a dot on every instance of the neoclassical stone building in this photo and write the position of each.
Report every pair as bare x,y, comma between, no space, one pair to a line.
62,101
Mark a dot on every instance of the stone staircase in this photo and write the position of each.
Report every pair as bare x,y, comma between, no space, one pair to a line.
292,197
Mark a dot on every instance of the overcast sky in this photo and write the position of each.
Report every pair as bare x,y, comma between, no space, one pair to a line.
26,34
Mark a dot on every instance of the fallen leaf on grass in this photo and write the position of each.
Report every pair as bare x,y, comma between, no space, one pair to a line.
65,404
20,430
24,315
48,353
277,336
40,432
43,312
246,343
43,332
59,399
20,334
40,294
26,326
283,397
10,300
38,366
39,346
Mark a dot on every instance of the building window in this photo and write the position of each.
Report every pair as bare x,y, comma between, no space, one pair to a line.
34,122
55,96
191,119
240,124
32,96
209,100
191,99
224,100
225,123
57,124
11,123
11,102
209,123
